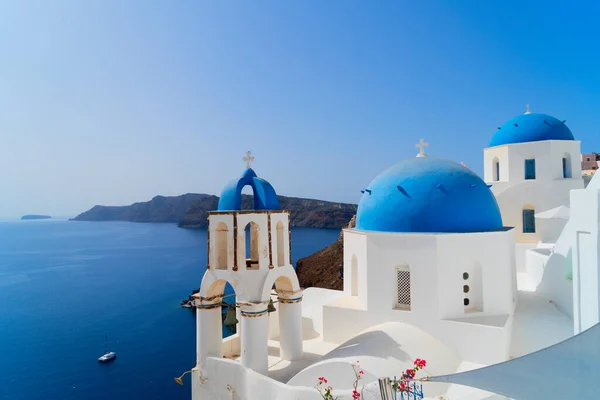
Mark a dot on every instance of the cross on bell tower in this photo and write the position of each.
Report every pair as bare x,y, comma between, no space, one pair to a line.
421,146
248,159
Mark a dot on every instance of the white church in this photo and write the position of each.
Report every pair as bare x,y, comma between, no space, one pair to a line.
442,265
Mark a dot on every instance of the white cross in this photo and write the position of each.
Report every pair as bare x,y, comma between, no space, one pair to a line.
527,110
248,159
421,146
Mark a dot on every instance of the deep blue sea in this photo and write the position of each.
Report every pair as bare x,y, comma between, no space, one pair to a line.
65,285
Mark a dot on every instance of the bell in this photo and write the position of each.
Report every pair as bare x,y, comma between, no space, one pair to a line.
230,319
271,307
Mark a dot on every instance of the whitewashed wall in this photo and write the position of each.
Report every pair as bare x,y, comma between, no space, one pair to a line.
436,264
548,190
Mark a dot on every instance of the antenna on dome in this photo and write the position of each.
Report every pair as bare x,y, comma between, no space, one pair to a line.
421,146
527,110
248,159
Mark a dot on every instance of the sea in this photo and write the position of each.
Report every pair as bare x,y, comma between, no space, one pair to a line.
65,286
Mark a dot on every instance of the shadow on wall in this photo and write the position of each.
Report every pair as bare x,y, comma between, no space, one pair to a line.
373,344
556,285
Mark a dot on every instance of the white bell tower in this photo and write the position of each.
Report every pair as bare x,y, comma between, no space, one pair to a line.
250,250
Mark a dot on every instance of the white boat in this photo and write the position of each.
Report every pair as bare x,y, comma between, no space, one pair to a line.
108,356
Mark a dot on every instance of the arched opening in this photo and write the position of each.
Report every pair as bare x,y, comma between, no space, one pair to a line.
223,288
472,289
403,287
496,169
528,219
220,249
247,198
566,166
354,276
252,242
284,283
280,245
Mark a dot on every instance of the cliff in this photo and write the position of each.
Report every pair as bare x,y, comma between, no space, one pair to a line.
325,268
189,211
159,209
303,212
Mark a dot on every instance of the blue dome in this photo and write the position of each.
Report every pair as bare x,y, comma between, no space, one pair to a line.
426,194
265,197
531,128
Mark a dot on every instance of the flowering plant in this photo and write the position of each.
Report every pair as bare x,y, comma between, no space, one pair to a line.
409,375
325,391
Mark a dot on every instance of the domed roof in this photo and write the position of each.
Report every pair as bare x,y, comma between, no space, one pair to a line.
265,197
426,194
531,127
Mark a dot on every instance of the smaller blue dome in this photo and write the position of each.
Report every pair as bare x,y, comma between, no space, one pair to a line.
428,195
265,197
531,128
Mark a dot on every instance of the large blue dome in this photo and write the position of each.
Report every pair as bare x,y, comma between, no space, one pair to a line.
426,194
531,128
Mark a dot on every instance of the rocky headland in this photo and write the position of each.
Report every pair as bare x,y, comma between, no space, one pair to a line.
189,211
325,268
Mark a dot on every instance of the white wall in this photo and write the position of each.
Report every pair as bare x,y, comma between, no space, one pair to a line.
585,218
222,376
548,190
436,265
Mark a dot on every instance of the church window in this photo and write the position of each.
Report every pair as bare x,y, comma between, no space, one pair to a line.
220,246
566,166
403,300
465,275
530,168
466,289
280,245
466,302
528,220
251,241
354,276
496,169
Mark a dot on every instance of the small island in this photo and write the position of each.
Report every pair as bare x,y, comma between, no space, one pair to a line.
35,216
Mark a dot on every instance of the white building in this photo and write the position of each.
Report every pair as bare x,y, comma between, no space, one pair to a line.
442,265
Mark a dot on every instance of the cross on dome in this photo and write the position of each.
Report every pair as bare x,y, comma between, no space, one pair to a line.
421,146
248,159
527,110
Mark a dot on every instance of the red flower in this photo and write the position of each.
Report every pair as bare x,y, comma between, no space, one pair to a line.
361,372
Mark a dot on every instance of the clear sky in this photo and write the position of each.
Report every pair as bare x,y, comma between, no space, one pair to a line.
112,102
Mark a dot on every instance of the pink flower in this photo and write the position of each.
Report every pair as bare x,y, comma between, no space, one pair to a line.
361,372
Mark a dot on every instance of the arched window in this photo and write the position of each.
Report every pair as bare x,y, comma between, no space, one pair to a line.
252,243
528,219
566,166
247,198
472,289
530,168
403,284
354,276
496,169
220,247
280,245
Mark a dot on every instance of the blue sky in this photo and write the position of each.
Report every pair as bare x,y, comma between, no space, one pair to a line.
112,102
